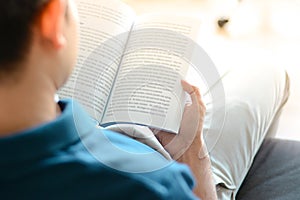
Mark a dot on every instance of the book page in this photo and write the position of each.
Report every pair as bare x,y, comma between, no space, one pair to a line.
148,90
104,27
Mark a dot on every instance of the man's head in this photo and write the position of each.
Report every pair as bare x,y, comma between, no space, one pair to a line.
37,36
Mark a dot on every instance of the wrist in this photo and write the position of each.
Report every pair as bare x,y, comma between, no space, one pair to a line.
197,151
203,152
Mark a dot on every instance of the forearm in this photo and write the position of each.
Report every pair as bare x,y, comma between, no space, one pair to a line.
199,163
205,187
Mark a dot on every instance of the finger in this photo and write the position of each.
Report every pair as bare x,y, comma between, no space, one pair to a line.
196,96
193,92
187,87
199,102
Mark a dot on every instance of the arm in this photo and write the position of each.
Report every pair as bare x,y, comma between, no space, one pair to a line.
201,168
188,146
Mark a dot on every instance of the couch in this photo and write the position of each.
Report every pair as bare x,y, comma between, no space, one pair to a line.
275,172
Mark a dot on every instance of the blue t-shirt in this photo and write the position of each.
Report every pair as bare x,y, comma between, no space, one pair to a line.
70,158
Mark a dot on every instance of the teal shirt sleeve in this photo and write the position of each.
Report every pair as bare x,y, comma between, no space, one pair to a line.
70,158
141,164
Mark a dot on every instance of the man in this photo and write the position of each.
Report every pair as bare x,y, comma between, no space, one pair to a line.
45,147
42,146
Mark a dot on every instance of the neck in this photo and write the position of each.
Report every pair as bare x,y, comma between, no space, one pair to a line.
26,104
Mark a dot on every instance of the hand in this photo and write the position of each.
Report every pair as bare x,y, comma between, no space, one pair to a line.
189,141
188,146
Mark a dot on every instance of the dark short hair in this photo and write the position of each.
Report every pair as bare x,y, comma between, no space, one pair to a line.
16,19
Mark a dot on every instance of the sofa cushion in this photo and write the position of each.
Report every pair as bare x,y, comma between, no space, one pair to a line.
275,173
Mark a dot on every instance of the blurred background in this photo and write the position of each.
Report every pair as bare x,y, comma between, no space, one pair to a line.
258,33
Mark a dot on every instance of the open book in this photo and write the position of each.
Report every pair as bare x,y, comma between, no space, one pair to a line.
122,76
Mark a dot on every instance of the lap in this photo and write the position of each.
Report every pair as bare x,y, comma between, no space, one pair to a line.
253,99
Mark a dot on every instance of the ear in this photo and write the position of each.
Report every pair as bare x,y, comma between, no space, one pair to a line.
52,21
